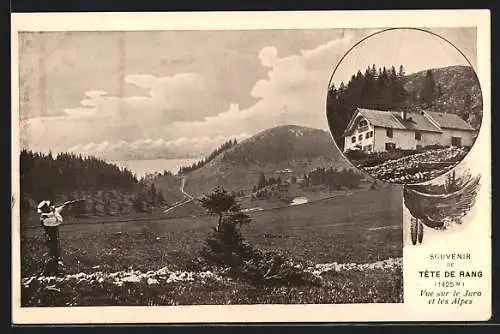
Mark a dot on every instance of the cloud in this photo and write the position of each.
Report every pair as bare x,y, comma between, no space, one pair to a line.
95,93
148,148
173,109
166,99
101,117
414,49
293,93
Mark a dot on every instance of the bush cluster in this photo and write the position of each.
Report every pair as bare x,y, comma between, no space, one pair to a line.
226,248
370,159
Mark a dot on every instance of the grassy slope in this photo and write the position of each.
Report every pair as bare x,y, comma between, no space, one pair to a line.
334,230
120,202
338,230
169,185
456,82
300,148
342,229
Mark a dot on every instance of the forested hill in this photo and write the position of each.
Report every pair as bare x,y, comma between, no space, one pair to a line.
197,165
105,188
44,176
453,89
287,147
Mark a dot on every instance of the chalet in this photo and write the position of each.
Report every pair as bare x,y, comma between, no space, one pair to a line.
377,130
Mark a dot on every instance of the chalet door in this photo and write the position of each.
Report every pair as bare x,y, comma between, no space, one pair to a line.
456,141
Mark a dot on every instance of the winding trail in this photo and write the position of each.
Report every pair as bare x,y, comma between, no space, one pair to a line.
189,197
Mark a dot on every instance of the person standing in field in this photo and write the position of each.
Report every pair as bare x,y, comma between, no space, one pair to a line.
50,219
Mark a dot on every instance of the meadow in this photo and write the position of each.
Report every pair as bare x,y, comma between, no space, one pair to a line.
361,228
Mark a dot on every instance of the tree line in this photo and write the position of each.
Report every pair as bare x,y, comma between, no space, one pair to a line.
197,165
381,89
333,178
148,197
43,176
263,182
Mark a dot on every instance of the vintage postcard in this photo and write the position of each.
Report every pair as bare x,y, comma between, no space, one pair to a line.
251,167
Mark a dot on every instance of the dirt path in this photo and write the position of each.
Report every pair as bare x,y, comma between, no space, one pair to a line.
189,197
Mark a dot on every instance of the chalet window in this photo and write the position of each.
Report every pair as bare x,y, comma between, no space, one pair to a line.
367,135
367,148
353,139
390,146
418,135
360,137
389,133
362,124
456,141
371,133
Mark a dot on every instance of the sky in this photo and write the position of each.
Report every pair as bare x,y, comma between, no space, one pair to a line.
176,94
416,50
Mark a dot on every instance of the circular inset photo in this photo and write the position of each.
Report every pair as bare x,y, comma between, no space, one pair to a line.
404,105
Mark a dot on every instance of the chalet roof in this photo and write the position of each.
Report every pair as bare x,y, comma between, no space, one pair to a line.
418,122
450,121
381,118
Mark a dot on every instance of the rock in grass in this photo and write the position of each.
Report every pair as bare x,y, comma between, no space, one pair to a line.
131,278
152,281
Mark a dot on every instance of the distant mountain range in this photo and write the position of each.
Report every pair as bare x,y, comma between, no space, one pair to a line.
291,148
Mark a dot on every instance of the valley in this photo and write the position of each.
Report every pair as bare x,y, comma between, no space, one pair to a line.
304,201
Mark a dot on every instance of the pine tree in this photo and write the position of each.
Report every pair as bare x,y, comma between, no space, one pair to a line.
220,203
152,193
467,106
159,197
428,90
262,181
401,72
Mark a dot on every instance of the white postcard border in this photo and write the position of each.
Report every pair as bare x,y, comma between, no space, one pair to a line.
406,311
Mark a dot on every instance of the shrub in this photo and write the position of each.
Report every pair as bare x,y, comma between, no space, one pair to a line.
433,147
226,247
356,154
275,268
139,204
364,159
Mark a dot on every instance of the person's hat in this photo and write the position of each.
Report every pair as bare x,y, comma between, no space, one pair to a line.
43,205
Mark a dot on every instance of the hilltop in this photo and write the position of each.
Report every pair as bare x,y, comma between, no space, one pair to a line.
288,149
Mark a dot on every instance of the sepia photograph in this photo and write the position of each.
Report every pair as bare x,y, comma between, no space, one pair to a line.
405,105
250,167
160,170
